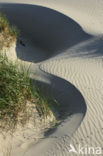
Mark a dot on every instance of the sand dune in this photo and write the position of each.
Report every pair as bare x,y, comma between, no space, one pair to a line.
84,70
66,43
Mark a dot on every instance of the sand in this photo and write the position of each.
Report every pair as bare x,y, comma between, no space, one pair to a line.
32,127
18,140
70,64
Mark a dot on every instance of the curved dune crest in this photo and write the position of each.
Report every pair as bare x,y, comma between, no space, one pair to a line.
69,65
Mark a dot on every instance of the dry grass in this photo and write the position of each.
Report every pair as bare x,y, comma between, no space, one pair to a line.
8,34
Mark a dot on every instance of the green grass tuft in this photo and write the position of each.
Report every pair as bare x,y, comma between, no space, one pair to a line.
16,89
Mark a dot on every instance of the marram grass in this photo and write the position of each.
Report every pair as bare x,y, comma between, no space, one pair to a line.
16,89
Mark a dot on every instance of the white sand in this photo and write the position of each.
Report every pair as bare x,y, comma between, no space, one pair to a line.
24,135
81,64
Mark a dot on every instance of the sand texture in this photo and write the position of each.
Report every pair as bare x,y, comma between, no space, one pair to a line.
64,42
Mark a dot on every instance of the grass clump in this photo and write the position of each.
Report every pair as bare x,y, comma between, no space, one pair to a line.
16,89
8,34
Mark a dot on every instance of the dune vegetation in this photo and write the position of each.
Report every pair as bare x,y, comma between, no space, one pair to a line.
8,34
16,88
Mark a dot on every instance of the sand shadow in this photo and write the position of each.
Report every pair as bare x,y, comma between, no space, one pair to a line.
69,98
90,49
49,31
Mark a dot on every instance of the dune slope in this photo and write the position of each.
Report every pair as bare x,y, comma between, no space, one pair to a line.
72,66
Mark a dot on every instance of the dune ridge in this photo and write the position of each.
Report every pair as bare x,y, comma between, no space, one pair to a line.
72,70
84,74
